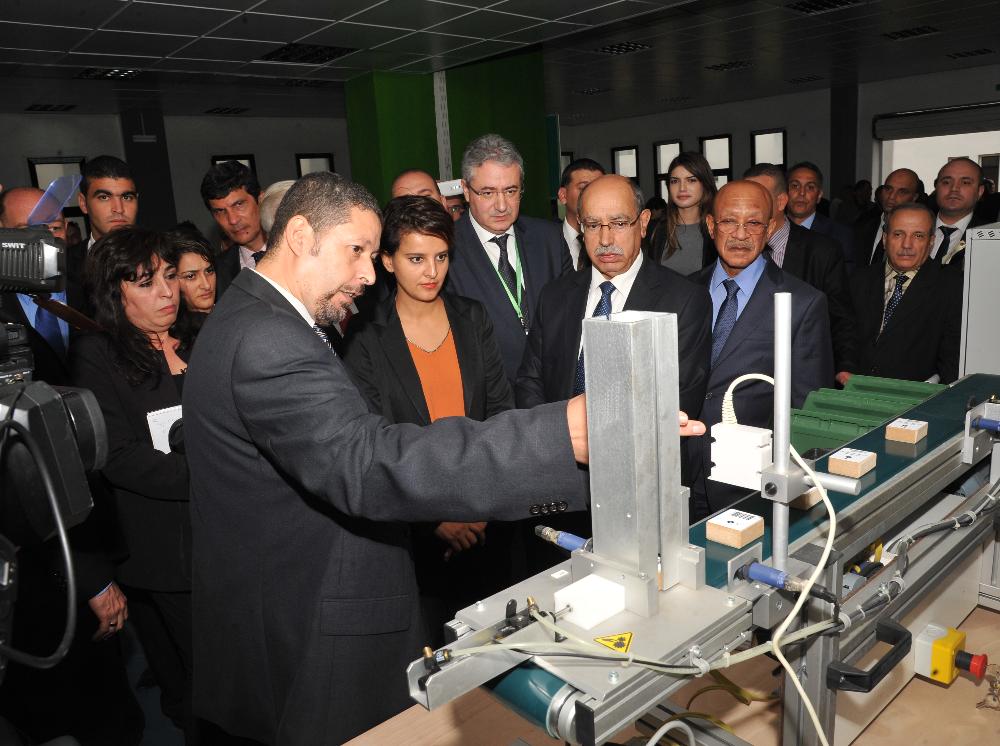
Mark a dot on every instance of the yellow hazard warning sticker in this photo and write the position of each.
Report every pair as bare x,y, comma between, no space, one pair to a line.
620,642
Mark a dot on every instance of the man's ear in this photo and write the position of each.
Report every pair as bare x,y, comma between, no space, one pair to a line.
561,195
299,235
710,224
82,203
644,218
782,201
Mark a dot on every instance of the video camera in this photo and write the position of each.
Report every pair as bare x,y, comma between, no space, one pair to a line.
49,439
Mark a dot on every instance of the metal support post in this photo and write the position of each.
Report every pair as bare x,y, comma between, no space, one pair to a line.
782,420
810,660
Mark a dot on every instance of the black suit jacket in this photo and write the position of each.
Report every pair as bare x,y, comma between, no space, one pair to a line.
383,368
548,370
150,488
867,227
304,592
958,258
817,260
841,234
545,257
227,266
750,349
923,337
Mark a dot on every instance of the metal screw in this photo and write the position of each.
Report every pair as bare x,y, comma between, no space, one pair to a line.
777,604
643,576
771,489
613,677
756,586
628,516
480,606
597,506
731,600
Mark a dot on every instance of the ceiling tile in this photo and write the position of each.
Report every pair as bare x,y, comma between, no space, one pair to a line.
336,73
278,69
128,42
487,24
29,56
549,9
479,51
25,36
422,42
374,59
263,27
222,4
200,66
132,62
610,13
227,49
411,14
334,10
168,19
354,35
543,31
89,14
426,65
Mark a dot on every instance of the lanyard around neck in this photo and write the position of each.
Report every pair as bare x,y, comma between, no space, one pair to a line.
515,302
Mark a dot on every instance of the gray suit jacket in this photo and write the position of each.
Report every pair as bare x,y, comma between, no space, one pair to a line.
304,593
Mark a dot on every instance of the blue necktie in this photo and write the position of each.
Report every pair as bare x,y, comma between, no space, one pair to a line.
47,325
726,321
603,309
897,296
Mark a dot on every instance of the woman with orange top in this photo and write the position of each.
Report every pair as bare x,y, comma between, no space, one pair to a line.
423,356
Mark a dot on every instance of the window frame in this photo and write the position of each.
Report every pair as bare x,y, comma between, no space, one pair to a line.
659,177
772,131
727,172
614,162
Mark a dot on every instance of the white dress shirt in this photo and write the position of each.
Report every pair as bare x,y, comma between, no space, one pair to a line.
296,303
956,236
623,286
492,250
570,235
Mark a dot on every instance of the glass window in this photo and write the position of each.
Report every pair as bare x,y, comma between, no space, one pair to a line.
625,161
718,151
310,163
663,153
768,147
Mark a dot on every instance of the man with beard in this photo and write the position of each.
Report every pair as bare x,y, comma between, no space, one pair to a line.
305,601
742,284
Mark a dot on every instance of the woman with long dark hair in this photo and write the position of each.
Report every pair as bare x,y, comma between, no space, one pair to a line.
136,369
680,240
427,355
191,253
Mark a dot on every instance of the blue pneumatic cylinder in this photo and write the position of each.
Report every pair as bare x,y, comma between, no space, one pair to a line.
767,575
569,542
984,423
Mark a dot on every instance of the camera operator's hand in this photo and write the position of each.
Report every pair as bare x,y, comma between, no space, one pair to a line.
111,609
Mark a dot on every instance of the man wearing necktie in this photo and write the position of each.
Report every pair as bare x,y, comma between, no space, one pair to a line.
909,306
957,189
500,257
620,278
575,177
742,284
231,193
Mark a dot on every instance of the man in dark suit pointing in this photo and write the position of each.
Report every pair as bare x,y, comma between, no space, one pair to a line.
304,594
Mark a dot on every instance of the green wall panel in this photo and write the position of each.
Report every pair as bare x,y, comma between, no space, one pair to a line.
390,127
506,96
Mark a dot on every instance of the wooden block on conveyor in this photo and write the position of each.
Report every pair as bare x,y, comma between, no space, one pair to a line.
903,430
734,528
807,500
851,462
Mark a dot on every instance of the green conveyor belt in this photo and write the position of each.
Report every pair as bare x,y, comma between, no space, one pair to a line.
945,415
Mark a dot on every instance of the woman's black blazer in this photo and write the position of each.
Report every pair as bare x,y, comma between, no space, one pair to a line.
150,488
383,368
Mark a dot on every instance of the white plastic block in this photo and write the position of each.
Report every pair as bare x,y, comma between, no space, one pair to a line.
739,453
593,599
734,528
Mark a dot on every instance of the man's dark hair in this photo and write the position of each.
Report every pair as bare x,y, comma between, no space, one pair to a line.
656,203
103,167
580,164
811,166
414,214
223,178
325,200
769,169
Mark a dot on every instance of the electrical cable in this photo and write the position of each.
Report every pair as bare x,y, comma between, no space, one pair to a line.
18,656
669,726
729,416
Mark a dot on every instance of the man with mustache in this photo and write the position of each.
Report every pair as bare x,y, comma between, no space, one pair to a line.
618,278
501,258
742,284
909,307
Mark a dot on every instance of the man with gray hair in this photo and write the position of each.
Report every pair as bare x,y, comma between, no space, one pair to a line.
270,198
501,258
304,594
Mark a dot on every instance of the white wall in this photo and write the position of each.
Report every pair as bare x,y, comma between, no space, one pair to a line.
926,155
273,141
53,135
973,85
805,117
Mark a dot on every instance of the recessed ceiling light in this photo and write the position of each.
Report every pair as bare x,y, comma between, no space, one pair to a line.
818,7
970,53
107,73
805,79
724,67
623,47
227,111
591,91
307,54
911,33
50,107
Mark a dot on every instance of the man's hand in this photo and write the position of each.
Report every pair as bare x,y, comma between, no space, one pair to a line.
111,609
690,427
460,536
843,377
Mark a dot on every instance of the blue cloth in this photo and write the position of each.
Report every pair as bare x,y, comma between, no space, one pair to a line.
727,319
49,321
603,309
746,280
